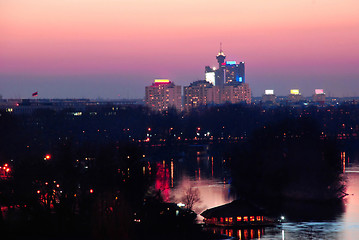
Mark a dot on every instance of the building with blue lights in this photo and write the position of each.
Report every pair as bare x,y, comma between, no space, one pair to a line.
234,72
227,72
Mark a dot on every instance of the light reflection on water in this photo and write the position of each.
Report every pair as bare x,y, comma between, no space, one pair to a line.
212,193
214,190
198,170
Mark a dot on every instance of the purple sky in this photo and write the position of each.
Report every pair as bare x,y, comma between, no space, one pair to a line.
112,48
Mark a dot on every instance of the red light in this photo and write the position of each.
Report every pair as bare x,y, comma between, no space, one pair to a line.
91,190
47,157
38,191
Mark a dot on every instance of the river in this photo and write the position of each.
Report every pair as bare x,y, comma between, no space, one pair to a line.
198,168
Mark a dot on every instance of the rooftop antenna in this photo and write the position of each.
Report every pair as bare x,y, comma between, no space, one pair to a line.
220,50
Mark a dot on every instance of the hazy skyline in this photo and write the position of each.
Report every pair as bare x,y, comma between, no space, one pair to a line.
93,48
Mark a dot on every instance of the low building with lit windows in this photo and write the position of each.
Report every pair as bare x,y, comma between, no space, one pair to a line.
269,97
294,96
237,213
319,96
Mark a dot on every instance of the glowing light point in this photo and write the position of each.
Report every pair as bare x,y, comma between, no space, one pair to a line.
319,91
294,91
162,81
269,92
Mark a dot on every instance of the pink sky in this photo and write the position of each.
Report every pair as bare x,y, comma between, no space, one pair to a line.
71,48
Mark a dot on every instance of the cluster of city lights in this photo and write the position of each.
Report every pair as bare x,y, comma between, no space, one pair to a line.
5,171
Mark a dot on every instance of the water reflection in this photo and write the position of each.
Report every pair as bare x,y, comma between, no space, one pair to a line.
199,168
195,168
241,234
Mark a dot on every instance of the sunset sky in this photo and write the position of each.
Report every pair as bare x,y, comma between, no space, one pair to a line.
114,48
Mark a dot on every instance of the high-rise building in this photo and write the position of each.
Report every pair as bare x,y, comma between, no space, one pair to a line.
236,93
228,71
234,72
210,75
230,78
200,93
163,94
221,68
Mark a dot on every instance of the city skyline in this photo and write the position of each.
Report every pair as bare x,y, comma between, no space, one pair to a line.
114,49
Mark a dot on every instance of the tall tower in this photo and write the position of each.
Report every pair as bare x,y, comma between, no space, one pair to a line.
220,56
221,67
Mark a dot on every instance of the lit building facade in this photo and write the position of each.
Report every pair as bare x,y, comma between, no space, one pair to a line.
230,80
228,71
210,74
163,94
200,93
236,93
234,72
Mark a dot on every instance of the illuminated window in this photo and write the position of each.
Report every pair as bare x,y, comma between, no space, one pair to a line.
230,219
258,218
221,219
251,218
239,219
226,219
245,219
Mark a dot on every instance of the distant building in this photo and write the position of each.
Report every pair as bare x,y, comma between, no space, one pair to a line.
294,96
200,93
28,106
163,94
230,80
228,71
234,72
236,93
220,72
269,97
210,75
319,96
